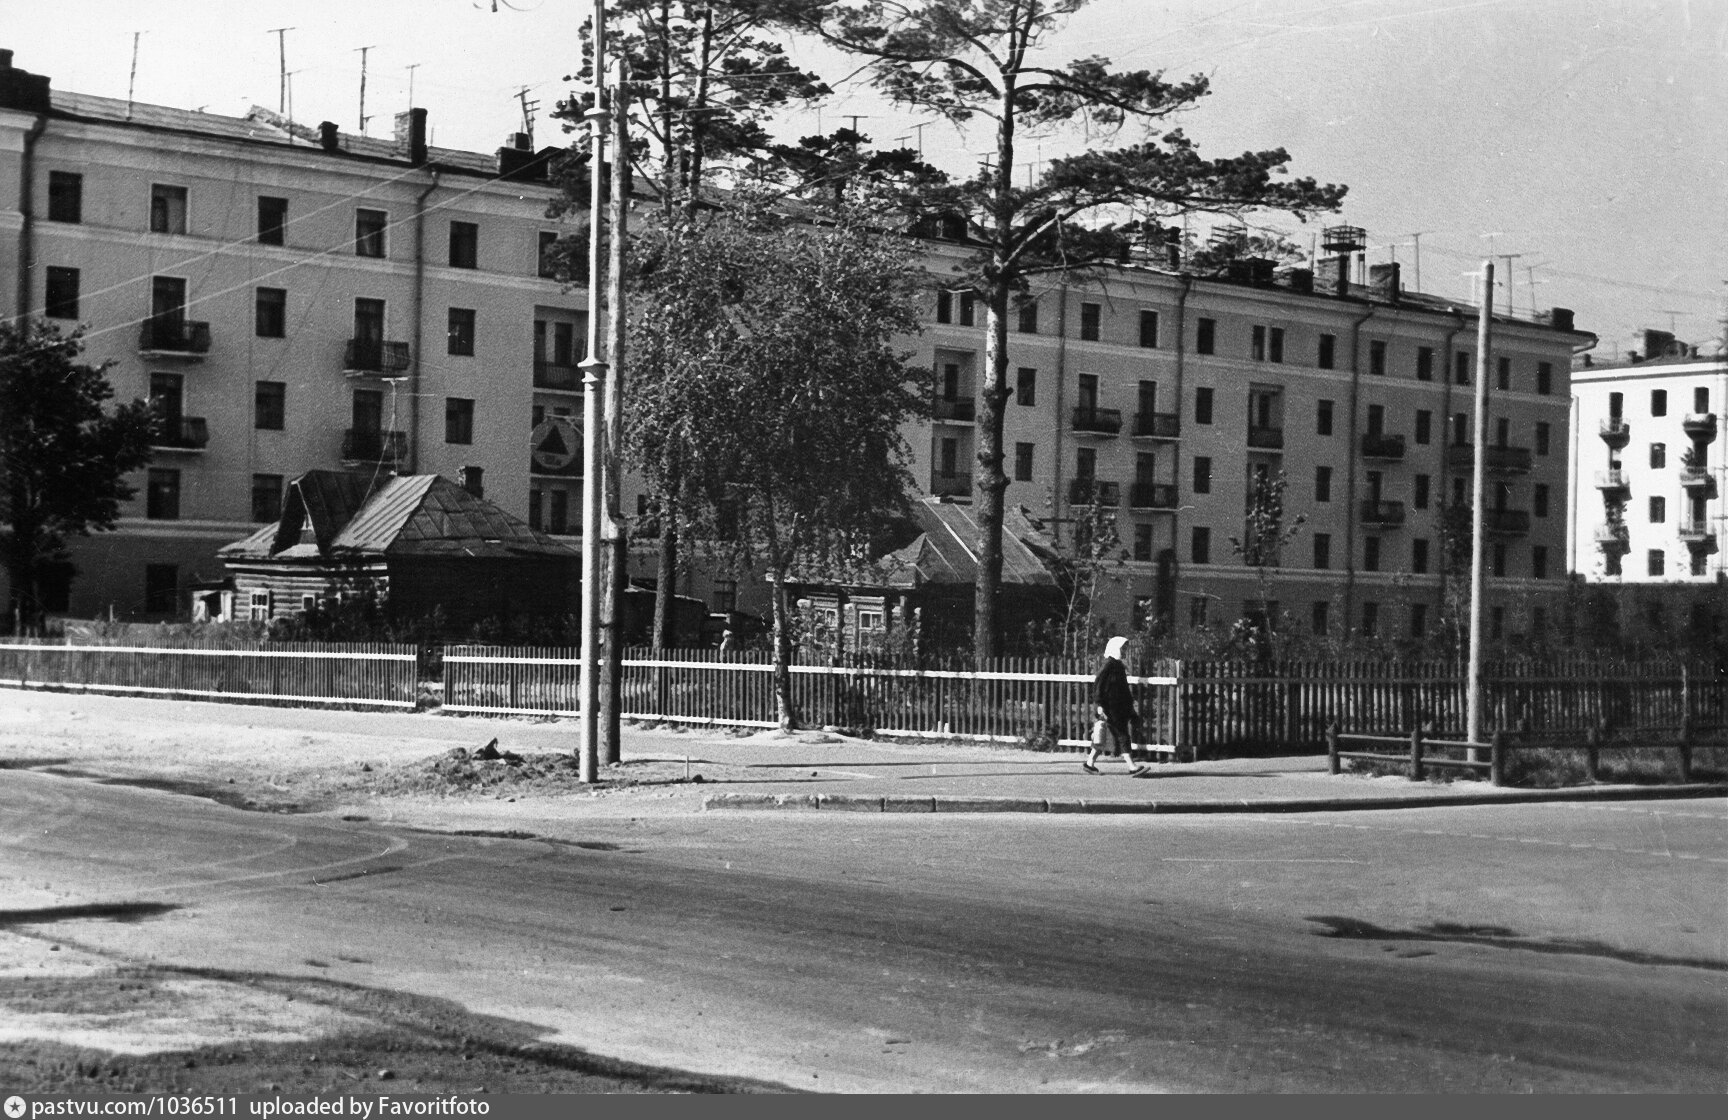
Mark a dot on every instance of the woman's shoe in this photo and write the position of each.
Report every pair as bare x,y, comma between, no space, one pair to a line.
1089,768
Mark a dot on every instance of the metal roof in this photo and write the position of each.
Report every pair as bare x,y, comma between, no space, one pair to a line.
946,551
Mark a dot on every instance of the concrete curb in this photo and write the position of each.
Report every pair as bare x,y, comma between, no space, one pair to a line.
940,803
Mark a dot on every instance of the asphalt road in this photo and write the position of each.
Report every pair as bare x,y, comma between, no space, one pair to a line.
1551,948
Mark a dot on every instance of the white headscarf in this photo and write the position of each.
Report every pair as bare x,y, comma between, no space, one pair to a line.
1115,647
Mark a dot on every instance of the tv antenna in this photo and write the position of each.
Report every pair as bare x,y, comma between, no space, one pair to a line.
133,78
1416,243
411,67
281,34
363,117
528,108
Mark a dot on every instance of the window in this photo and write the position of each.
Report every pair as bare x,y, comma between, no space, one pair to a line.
1497,623
1090,314
1323,418
1539,500
1023,461
548,261
1322,484
948,457
968,309
1370,619
1327,358
1502,431
161,588
536,509
1461,368
1616,405
1206,337
1377,358
1424,363
1320,619
270,313
1419,556
1418,619
944,307
1420,497
1257,344
266,497
1658,402
162,495
1541,437
1610,563
458,420
65,196
464,245
1026,386
1149,329
1029,317
61,295
1202,474
167,209
1143,541
1461,429
462,331
1203,405
1197,613
1658,456
1701,399
1457,491
1499,560
1322,550
1539,562
1658,510
1655,562
1700,562
1545,378
1370,554
950,381
269,405
1376,419
1503,374
272,219
1275,346
369,232
1201,552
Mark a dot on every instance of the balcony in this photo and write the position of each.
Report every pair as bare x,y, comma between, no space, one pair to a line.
959,410
1613,485
1094,492
1698,535
182,434
366,446
1700,427
1157,425
558,376
1265,439
1613,536
174,338
1382,512
1499,460
951,486
1615,432
1379,445
1098,421
1152,495
367,358
1506,522
1699,479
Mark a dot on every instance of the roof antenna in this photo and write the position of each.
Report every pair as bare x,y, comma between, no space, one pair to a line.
281,34
528,108
363,117
133,78
411,67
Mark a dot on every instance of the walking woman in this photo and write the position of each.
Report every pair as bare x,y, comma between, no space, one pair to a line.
1116,714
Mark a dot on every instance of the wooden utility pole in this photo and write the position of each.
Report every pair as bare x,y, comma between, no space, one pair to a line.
594,383
612,531
1479,459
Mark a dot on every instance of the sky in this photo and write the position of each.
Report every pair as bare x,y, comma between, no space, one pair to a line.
1588,136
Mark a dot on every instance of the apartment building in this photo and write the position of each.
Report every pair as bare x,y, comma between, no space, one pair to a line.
293,298
1647,477
1162,396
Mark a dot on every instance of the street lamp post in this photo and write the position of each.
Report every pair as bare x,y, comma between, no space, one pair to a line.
593,383
1479,459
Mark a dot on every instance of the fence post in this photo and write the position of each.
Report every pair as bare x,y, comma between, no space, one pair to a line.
1686,748
1497,759
1416,755
1592,752
1332,762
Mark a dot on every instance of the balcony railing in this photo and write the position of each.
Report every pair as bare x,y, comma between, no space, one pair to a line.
1506,522
1265,439
1379,445
1102,421
1698,478
366,356
183,433
1615,432
962,409
1382,512
1157,425
174,336
1613,535
951,485
557,375
1152,495
1699,426
1612,482
1094,492
371,445
1499,460
1697,532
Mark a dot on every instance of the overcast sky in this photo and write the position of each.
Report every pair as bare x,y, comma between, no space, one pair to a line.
1590,135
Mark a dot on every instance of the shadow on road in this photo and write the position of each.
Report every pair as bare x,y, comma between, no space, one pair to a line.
1499,937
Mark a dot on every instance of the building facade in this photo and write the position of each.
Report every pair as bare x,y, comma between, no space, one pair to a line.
1648,474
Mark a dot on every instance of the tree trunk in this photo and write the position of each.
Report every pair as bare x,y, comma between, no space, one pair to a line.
666,580
992,484
783,709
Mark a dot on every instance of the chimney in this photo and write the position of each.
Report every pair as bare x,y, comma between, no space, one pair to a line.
1173,255
521,141
1560,318
1302,280
1384,280
411,135
470,479
327,135
1336,273
20,89
1657,344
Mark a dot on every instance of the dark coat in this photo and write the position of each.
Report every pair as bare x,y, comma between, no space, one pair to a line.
1111,692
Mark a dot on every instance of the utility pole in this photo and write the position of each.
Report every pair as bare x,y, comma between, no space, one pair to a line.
594,383
613,532
363,117
281,34
1479,459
